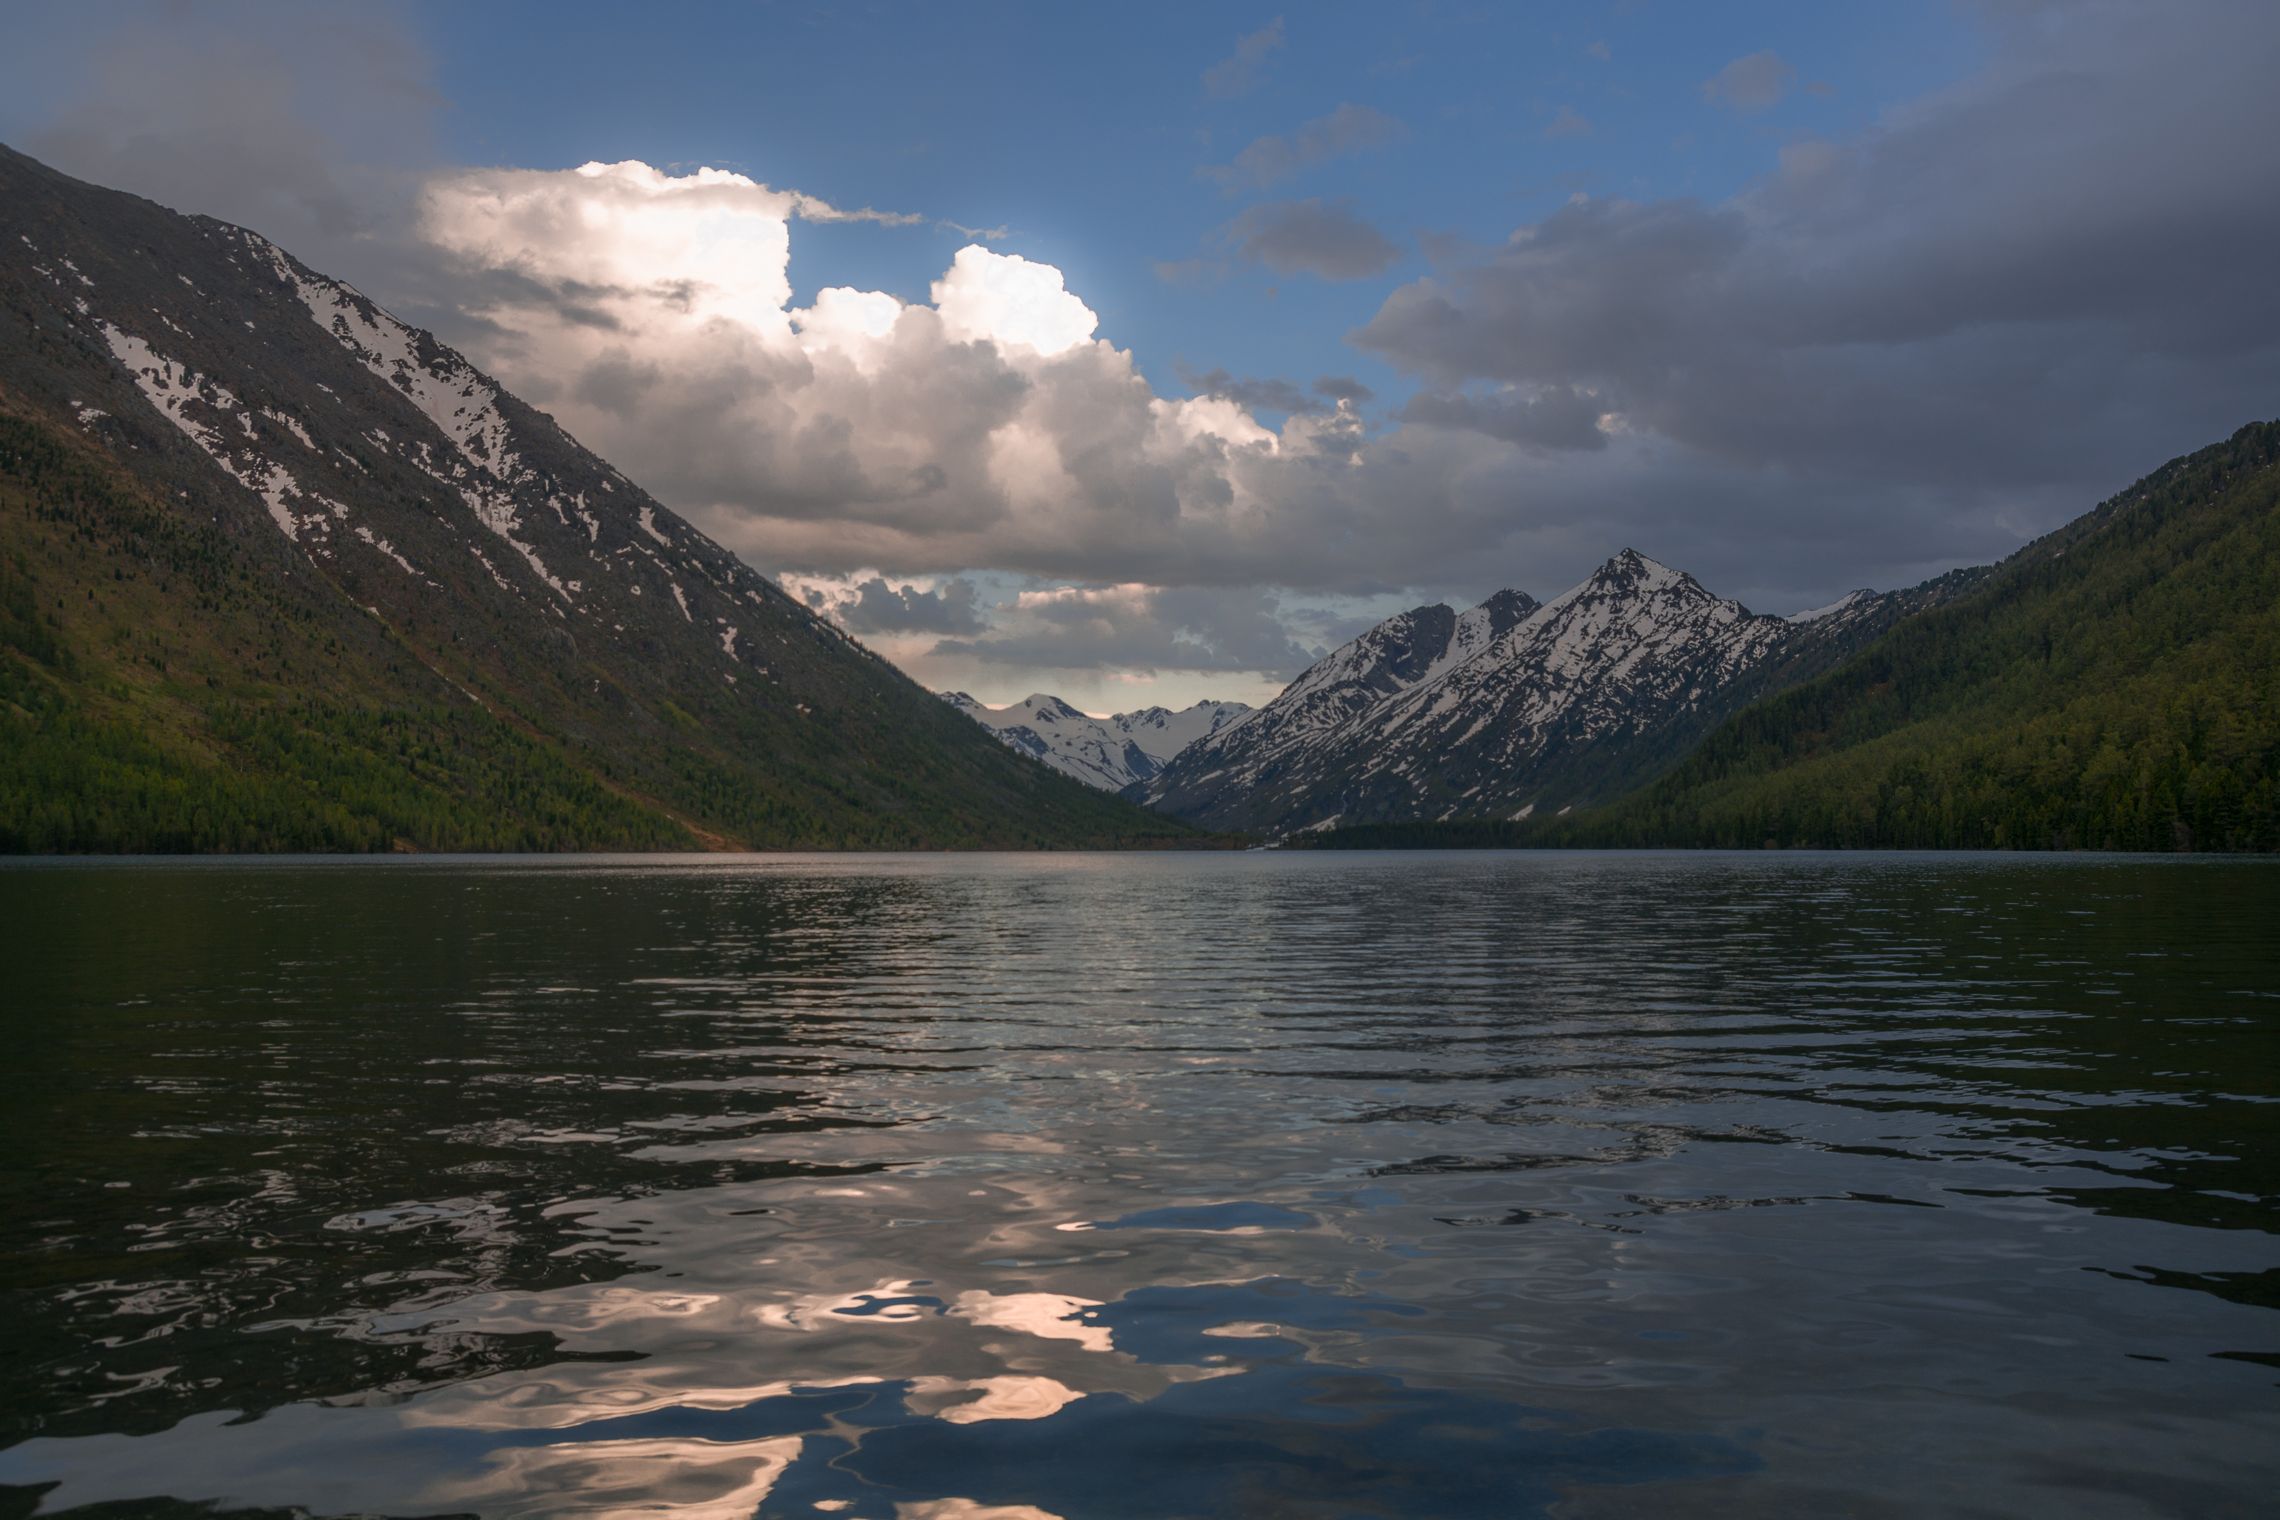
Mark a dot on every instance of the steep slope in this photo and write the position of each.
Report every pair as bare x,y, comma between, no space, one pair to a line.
393,535
1111,753
2115,685
1551,707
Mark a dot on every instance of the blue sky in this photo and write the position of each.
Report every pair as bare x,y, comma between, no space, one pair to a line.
1795,297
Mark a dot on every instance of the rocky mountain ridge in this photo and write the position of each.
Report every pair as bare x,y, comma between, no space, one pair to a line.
1511,708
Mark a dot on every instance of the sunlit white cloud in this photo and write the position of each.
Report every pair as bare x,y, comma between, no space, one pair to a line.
1004,298
710,244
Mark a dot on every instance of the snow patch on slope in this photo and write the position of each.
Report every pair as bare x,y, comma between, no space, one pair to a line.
173,390
454,396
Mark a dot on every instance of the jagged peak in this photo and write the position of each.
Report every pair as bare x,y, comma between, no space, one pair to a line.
1509,600
1402,622
1630,567
1046,702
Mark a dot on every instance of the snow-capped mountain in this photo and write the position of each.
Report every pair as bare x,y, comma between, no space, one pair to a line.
1111,753
1511,708
387,536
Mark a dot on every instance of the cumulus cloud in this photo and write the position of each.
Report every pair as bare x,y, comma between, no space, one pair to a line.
1324,238
988,427
1004,298
1752,83
1271,160
1238,71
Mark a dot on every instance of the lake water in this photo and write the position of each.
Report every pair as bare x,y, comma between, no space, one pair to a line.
935,1187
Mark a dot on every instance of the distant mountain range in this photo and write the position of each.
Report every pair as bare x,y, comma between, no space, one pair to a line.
279,572
1111,753
1514,708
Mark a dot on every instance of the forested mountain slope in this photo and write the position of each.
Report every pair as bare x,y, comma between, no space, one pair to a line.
2115,685
279,572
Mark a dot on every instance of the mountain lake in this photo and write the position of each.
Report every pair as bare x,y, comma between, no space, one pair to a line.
1148,1185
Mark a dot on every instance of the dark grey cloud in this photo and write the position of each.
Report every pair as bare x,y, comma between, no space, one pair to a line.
301,121
618,383
878,607
1138,628
1238,71
1554,417
1270,395
1328,239
2010,298
1274,394
1270,160
1749,84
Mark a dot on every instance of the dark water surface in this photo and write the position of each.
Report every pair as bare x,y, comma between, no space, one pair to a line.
1079,1186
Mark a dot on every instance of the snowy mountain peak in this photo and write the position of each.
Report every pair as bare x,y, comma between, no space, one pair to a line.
1111,753
1504,609
1044,707
1633,572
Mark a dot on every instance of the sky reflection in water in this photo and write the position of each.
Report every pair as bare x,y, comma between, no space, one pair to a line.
1075,1186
